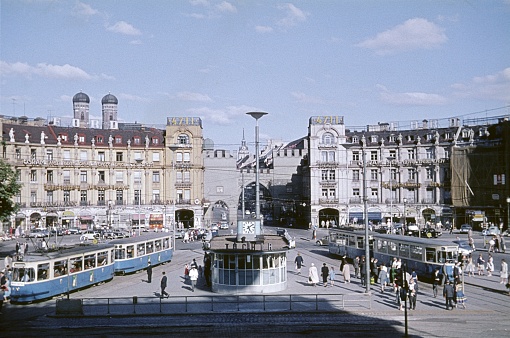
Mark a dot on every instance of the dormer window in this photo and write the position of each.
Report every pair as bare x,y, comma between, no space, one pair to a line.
328,138
373,138
136,140
183,139
392,138
355,139
465,133
99,139
155,140
118,139
81,138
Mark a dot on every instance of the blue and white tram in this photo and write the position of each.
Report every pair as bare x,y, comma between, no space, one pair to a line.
133,253
422,255
44,275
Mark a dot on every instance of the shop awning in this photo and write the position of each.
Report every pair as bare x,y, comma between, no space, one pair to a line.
137,217
86,218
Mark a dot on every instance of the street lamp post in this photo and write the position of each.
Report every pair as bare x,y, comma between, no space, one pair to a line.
139,161
257,116
404,227
391,194
365,217
508,213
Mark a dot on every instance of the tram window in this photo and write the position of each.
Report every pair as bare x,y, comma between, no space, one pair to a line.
23,274
392,248
140,249
360,243
403,250
60,268
130,250
352,241
157,245
150,247
430,254
120,253
42,271
232,262
166,244
90,261
102,258
241,262
383,246
256,262
416,252
75,264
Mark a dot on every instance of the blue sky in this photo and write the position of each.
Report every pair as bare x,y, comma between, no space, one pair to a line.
369,61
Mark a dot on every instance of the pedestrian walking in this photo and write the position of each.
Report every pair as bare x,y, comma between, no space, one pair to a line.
325,274
193,276
355,264
490,266
299,263
448,293
346,272
149,272
383,276
503,274
163,286
313,275
436,281
470,267
186,272
332,275
461,298
413,294
480,264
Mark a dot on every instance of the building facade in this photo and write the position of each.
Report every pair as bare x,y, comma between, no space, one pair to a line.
85,177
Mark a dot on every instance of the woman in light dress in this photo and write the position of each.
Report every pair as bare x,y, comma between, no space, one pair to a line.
313,275
504,272
490,266
470,267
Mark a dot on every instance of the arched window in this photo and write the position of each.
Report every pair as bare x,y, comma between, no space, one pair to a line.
328,138
183,139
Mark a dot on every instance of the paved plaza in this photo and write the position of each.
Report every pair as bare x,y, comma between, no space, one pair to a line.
486,313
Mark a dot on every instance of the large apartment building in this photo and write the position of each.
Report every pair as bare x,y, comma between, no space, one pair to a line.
91,172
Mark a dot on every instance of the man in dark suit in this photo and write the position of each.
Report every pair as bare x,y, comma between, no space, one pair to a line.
163,286
149,272
448,293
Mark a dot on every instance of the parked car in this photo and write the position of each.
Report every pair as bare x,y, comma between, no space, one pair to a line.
323,241
179,234
74,231
57,231
431,232
493,230
89,235
413,230
464,247
464,228
39,233
224,225
506,233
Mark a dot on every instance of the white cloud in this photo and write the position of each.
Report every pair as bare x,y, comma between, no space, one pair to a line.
413,34
293,17
410,98
263,29
189,96
199,2
226,7
493,86
223,117
84,10
303,98
130,97
122,27
45,70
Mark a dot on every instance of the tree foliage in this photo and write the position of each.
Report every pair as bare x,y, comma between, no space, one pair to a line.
9,187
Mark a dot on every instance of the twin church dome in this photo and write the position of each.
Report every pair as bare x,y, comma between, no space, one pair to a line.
84,98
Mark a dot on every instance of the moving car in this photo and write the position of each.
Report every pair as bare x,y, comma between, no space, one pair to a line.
323,241
464,247
464,228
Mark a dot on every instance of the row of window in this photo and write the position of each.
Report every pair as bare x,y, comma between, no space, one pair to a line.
329,138
101,155
181,176
330,175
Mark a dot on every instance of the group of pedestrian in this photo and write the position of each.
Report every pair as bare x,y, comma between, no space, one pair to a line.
497,244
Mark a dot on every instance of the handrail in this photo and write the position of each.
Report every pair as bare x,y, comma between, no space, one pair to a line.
224,304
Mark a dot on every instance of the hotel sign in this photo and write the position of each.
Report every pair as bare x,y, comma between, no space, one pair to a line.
327,120
183,121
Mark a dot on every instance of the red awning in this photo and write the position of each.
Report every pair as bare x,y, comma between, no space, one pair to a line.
136,217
